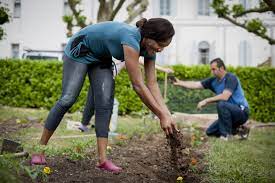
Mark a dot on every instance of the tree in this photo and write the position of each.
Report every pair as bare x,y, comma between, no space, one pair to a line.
237,15
4,18
107,11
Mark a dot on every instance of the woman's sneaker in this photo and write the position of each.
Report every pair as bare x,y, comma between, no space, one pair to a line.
109,166
38,159
83,128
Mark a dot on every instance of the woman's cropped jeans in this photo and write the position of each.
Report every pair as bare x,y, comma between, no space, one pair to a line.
102,85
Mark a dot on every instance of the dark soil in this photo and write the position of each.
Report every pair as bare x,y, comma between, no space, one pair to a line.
12,125
180,145
154,158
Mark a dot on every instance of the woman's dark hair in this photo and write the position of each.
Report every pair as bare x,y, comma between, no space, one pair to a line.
158,29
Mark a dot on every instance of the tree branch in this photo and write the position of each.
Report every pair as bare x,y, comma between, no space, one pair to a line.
254,10
269,2
269,39
114,12
76,13
103,11
134,13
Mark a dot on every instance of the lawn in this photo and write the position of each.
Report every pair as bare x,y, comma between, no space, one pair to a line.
142,151
244,161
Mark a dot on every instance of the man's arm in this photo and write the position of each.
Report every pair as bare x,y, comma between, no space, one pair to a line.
225,95
230,85
163,69
121,65
188,84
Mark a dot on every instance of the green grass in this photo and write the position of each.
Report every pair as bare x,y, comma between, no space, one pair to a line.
137,127
29,137
247,161
21,113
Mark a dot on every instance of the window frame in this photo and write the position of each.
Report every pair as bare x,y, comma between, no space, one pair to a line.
15,53
203,9
17,8
204,55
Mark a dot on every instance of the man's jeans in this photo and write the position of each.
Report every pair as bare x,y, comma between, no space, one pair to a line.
230,117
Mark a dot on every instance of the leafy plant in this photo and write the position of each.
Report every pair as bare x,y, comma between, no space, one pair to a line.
37,84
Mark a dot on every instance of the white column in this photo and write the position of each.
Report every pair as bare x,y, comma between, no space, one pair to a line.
272,47
224,44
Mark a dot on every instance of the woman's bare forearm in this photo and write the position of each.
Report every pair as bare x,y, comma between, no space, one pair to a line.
148,99
155,91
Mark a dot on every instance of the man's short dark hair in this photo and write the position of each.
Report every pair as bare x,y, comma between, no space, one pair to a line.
219,62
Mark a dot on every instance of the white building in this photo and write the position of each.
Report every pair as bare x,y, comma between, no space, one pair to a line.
200,35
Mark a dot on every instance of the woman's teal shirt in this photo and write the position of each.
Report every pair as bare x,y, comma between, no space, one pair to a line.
105,40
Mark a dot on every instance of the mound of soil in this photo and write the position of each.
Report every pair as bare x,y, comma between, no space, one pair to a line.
145,159
180,144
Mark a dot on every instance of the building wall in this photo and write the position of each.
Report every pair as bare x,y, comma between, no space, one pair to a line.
40,27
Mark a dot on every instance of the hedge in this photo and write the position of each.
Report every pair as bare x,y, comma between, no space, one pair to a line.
37,84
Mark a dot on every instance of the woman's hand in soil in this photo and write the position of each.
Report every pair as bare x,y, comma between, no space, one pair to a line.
167,124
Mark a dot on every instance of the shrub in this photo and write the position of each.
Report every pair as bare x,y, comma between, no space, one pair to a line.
37,84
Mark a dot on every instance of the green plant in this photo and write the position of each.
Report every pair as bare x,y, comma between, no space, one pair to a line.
35,172
8,168
37,84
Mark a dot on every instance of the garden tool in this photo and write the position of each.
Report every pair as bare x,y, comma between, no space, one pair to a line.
11,146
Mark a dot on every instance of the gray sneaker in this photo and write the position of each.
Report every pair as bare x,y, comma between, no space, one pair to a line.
83,128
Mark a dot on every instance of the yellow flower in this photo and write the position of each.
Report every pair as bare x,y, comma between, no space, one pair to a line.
179,179
47,170
109,148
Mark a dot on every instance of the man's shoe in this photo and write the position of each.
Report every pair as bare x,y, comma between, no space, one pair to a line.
109,166
83,128
226,138
38,159
243,132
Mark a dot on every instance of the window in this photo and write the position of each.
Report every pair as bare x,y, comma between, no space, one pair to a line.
244,53
204,52
15,50
165,7
67,10
245,3
204,7
17,9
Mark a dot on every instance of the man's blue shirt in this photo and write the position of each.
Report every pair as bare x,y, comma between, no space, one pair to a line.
228,82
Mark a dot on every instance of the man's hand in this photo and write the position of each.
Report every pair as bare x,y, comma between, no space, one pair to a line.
168,70
167,124
201,104
177,82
